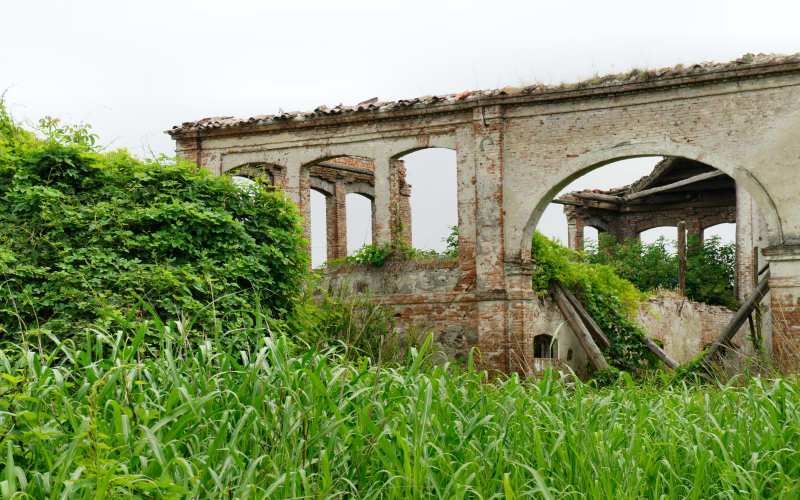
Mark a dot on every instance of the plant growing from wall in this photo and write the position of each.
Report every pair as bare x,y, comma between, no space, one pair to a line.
610,299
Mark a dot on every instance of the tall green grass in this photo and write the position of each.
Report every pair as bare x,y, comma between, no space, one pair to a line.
112,420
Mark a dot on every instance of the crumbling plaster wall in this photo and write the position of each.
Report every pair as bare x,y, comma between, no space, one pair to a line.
421,295
685,327
516,150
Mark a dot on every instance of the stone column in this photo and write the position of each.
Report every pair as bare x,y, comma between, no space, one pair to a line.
575,232
784,286
489,260
336,221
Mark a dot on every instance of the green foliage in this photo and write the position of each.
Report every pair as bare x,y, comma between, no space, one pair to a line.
340,318
610,300
451,243
369,254
84,234
274,422
709,270
375,255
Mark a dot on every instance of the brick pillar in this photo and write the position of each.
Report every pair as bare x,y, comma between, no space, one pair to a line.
575,232
745,243
489,260
405,206
784,285
400,202
336,221
519,317
297,185
189,148
694,230
382,211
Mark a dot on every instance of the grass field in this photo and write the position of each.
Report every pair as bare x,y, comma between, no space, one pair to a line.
117,420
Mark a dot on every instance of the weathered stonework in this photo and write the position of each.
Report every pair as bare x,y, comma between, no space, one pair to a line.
517,147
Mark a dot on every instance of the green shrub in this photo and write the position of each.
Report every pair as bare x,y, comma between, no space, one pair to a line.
710,268
610,300
83,234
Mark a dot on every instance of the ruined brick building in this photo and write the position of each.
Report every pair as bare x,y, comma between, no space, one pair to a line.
517,148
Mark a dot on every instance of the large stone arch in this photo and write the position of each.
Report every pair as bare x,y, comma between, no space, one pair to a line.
571,169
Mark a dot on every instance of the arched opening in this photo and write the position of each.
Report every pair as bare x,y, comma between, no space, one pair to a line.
590,236
726,232
269,173
545,347
359,221
245,183
640,201
654,234
319,228
339,205
431,180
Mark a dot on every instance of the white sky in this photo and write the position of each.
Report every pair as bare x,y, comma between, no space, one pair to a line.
134,69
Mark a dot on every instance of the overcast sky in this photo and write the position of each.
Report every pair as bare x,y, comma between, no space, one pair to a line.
134,69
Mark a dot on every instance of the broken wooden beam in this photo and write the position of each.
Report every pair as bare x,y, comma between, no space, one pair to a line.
600,337
562,201
596,357
594,329
659,352
674,185
589,195
739,318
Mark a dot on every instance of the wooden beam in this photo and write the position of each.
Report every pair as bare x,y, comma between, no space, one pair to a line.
589,195
659,352
579,329
739,318
674,185
600,337
594,329
568,202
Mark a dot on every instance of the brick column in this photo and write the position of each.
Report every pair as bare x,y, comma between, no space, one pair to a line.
519,317
694,230
744,244
382,212
399,202
784,285
336,221
575,232
489,260
297,186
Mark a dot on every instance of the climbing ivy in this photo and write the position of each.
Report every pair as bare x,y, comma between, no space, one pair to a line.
87,236
610,300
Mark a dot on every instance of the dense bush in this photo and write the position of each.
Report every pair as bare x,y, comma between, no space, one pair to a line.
710,267
610,300
86,237
269,422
